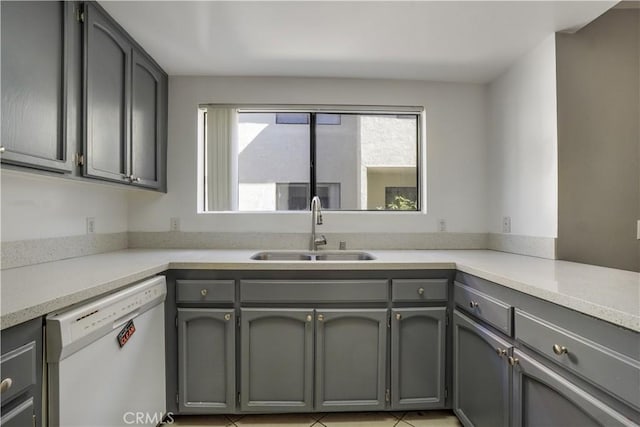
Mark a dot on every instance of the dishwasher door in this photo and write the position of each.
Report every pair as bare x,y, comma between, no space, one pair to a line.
104,384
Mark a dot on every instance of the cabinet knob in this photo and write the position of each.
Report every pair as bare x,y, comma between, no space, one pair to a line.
309,318
473,304
227,316
560,349
501,351
513,361
320,317
1,149
135,178
420,291
204,292
398,316
5,384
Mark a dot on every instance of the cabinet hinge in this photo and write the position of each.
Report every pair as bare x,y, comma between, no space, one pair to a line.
238,320
177,398
389,320
78,159
387,395
176,321
446,393
79,14
238,397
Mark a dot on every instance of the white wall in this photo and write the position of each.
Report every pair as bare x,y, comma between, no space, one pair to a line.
37,206
522,145
456,151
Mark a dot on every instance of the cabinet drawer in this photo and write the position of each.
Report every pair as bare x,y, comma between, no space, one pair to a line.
290,291
198,291
484,307
604,367
412,290
20,416
18,368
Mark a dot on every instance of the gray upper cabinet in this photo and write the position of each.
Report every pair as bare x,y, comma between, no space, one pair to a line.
418,337
107,61
276,360
351,358
147,121
206,360
481,374
543,397
125,106
40,97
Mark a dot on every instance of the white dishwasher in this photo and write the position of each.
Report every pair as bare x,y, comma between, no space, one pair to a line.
106,363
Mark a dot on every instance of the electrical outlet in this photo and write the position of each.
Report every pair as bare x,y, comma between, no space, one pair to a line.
506,224
174,224
91,225
442,225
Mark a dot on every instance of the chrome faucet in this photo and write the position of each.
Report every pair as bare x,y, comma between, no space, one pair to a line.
316,219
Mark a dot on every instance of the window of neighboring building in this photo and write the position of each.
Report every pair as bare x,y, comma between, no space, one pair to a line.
278,160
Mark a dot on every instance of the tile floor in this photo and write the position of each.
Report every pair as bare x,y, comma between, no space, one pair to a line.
360,419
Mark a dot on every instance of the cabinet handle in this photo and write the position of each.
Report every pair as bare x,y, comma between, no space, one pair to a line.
135,178
309,318
473,304
560,349
204,292
420,291
501,351
513,361
398,316
5,384
227,316
320,317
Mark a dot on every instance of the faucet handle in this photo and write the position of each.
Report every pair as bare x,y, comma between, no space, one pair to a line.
322,240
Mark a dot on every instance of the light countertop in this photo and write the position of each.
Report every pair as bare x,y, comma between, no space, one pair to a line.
608,294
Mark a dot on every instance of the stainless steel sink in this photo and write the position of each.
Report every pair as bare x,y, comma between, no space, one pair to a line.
312,256
282,256
344,256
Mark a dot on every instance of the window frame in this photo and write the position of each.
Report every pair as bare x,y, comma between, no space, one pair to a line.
312,110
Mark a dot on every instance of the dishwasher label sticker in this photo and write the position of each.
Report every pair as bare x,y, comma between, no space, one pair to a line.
126,332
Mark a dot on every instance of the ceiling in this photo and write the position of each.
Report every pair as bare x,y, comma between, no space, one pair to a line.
464,41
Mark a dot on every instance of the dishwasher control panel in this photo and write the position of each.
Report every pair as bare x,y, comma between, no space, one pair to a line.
68,330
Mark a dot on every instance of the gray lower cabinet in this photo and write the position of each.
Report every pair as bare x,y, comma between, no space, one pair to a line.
418,337
206,360
276,359
39,98
351,358
481,374
543,397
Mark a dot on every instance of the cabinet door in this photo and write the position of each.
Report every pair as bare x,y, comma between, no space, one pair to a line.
206,360
351,352
418,358
542,397
276,359
37,60
481,374
107,57
148,121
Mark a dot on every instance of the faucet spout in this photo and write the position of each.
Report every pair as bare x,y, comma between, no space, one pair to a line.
316,219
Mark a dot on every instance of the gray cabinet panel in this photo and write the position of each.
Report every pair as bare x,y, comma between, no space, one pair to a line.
37,61
418,358
481,374
542,397
22,415
314,291
351,350
147,130
20,366
276,359
602,366
205,291
206,360
484,307
415,290
107,85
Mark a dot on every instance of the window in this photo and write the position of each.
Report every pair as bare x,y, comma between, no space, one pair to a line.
274,160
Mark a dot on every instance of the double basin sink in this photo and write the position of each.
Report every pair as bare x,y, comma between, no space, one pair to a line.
312,256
